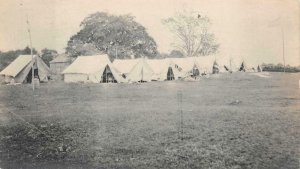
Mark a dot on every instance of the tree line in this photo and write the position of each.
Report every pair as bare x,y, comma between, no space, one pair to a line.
7,57
121,37
280,68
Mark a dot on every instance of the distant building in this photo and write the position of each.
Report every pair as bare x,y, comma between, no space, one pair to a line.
60,63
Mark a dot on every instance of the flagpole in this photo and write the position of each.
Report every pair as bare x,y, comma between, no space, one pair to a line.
31,53
282,32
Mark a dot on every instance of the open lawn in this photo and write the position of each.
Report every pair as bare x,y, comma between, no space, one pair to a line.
238,120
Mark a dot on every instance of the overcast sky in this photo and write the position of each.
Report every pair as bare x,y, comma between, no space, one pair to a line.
247,29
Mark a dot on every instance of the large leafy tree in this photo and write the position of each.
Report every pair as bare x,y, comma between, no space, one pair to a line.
191,32
117,36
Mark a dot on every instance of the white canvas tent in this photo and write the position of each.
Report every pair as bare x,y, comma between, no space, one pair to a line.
223,63
141,72
92,69
235,63
205,63
228,64
216,68
20,70
187,66
164,69
259,68
252,66
124,66
246,67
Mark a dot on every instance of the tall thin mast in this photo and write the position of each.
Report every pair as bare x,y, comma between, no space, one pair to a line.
31,53
282,32
116,52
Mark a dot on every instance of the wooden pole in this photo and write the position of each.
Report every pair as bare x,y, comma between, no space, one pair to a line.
180,131
106,79
142,74
31,53
116,52
282,32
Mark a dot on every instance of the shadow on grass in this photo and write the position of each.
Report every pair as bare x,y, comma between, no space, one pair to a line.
50,144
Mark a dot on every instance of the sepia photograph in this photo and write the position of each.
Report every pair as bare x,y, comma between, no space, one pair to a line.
150,84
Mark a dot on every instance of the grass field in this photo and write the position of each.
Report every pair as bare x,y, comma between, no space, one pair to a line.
238,121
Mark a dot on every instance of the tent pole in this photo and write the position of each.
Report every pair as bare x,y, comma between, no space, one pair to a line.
230,64
142,75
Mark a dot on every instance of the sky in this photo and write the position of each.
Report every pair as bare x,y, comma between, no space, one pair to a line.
252,30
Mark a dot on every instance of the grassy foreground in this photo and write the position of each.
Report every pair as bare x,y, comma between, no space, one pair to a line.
228,121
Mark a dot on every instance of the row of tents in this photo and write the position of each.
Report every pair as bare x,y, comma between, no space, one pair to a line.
99,69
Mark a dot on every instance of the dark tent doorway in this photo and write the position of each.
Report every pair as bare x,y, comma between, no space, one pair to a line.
107,76
29,76
242,67
170,74
195,71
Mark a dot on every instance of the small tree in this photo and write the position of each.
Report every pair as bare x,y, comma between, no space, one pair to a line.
176,54
163,55
191,33
47,55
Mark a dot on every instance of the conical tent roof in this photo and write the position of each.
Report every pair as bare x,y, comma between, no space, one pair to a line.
140,72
